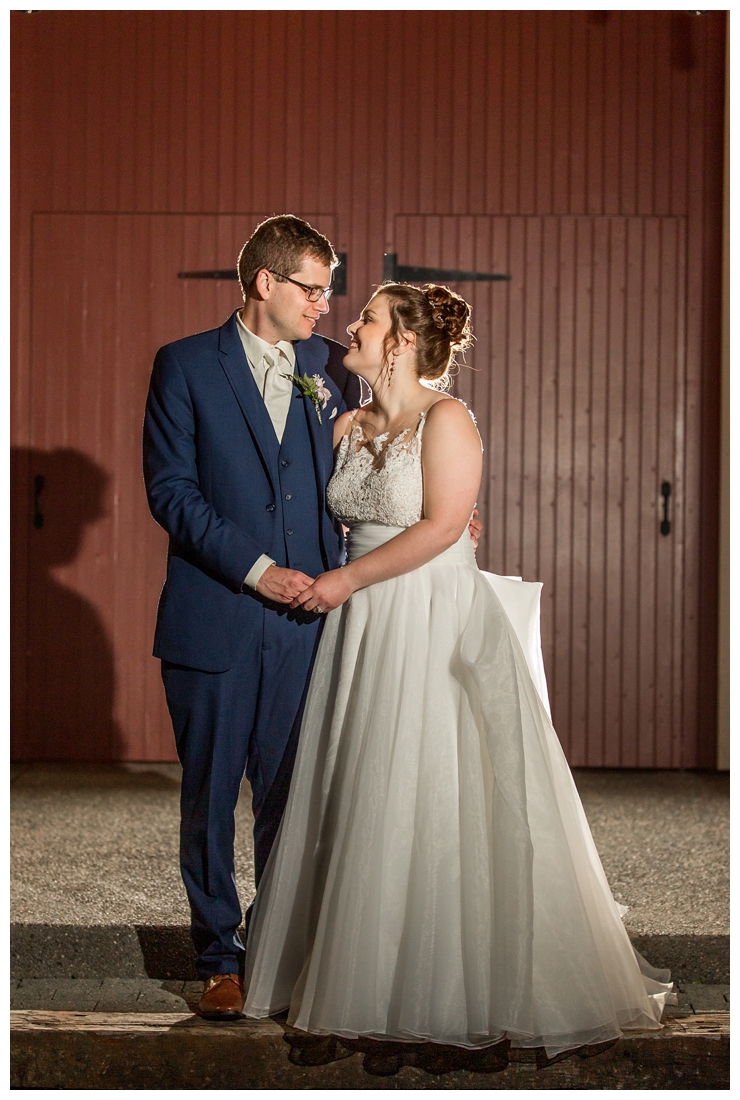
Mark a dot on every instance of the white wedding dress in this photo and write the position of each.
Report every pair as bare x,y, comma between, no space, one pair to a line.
434,877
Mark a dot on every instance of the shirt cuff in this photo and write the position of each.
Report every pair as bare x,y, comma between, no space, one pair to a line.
254,574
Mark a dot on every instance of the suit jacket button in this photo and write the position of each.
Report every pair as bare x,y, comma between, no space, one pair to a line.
288,532
288,496
270,508
284,463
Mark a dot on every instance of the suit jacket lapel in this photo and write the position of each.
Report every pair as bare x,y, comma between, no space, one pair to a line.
308,362
237,370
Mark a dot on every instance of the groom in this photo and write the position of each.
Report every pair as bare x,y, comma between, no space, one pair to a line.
236,461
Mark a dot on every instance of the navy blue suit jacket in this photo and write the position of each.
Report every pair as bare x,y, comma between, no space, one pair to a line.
212,473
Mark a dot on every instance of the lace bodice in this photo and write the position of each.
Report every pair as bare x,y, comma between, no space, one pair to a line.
378,481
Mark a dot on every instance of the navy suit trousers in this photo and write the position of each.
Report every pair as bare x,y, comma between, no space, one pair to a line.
228,724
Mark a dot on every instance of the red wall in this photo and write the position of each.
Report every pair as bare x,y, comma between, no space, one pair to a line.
369,115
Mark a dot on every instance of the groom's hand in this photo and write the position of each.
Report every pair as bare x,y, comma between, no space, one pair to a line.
475,528
282,585
328,591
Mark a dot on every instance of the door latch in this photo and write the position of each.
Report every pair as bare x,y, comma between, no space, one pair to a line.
38,487
665,523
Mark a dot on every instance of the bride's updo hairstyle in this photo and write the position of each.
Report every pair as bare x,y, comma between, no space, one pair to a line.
441,320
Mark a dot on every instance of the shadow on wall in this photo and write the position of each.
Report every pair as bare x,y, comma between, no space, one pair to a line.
63,676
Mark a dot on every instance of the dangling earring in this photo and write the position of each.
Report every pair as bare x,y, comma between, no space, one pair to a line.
391,370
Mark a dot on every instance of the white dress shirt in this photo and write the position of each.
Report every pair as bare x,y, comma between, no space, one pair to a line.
268,364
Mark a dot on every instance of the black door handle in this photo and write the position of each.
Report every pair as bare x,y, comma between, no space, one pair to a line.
38,487
665,523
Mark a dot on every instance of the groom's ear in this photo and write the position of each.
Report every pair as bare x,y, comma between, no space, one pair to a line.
261,285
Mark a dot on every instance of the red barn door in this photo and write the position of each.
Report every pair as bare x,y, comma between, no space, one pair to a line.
106,295
580,383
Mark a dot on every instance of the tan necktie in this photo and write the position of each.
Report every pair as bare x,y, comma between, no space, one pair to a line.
276,389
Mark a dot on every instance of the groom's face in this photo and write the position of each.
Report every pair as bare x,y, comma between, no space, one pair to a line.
288,308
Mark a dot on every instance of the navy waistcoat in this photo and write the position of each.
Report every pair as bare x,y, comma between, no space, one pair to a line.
298,542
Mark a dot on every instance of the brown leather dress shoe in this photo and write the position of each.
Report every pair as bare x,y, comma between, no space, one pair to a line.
223,998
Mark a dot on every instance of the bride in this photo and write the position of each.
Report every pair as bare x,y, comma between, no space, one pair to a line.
434,877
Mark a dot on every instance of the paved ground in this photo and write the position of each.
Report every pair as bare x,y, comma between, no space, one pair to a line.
97,845
142,995
663,838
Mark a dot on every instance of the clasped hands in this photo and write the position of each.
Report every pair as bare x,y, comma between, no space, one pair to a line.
325,592
297,590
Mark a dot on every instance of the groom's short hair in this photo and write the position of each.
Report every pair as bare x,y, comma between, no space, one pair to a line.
281,244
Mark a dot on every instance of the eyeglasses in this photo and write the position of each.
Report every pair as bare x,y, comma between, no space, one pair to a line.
313,293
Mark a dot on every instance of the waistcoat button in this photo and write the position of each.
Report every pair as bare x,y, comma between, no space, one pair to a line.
284,462
288,496
288,532
270,508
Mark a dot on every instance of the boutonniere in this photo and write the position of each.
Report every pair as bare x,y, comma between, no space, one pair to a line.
312,387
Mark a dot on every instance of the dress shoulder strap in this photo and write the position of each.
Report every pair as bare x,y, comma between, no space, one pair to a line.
423,415
350,424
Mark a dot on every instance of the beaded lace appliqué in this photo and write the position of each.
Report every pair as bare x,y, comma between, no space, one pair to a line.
376,481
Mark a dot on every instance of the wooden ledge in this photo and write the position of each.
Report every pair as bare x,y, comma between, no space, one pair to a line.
148,1023
714,1023
132,1050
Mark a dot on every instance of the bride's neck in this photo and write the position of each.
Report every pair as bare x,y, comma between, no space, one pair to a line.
403,396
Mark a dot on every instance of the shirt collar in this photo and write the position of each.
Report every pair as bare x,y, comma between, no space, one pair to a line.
255,348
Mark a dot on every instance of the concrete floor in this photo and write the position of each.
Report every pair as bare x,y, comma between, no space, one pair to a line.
663,838
149,995
99,940
97,845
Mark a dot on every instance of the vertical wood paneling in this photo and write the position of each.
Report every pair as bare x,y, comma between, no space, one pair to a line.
580,402
578,114
547,434
97,565
632,459
710,54
577,472
562,658
495,114
612,120
700,286
545,117
629,35
598,450
595,133
648,491
661,144
646,121
510,105
490,116
666,564
614,488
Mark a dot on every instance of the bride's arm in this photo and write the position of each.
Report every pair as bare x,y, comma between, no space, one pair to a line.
452,463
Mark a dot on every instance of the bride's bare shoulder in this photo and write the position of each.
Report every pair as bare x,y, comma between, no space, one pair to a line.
449,410
452,450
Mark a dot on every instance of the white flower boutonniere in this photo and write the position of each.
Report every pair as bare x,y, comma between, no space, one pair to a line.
312,387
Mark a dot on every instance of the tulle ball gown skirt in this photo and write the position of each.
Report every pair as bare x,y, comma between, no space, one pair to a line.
434,877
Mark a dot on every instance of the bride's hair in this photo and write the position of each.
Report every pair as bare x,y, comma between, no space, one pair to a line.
439,317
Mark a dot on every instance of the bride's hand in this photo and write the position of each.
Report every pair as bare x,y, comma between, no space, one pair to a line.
328,591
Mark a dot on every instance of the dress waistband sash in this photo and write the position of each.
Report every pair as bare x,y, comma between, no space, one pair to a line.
364,537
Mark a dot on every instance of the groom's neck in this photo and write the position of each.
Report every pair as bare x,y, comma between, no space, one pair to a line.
253,317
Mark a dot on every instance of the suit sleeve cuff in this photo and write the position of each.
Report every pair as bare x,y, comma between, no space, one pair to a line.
254,574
